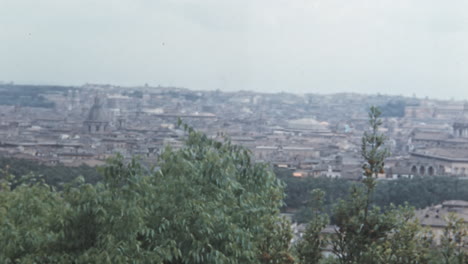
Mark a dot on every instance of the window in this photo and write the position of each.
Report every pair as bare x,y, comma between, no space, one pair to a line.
430,171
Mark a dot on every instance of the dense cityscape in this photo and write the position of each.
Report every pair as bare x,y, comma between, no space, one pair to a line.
304,137
311,134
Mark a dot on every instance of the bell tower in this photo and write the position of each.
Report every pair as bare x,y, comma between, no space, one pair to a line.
460,126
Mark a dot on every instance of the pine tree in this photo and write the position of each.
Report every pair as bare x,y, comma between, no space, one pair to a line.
365,233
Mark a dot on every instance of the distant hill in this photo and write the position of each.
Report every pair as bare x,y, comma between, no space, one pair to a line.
29,95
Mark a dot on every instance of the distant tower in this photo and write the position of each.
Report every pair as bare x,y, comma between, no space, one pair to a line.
97,122
121,123
460,126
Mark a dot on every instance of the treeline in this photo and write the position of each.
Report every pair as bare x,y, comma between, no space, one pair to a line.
52,175
419,192
29,95
394,108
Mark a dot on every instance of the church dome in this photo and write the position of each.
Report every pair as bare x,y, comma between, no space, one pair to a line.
97,113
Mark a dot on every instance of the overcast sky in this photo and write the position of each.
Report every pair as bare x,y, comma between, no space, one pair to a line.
304,46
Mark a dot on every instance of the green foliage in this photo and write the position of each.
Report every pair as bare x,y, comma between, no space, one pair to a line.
298,192
419,192
275,245
208,203
454,241
29,216
407,242
392,236
309,248
364,233
373,150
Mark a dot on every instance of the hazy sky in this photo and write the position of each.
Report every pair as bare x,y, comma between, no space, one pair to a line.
317,46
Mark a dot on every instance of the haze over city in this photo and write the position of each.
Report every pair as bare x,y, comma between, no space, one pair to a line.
362,46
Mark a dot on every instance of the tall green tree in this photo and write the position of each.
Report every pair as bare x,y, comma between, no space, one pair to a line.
361,225
365,233
373,152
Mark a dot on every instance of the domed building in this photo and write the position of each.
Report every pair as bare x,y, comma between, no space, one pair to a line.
308,124
97,121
